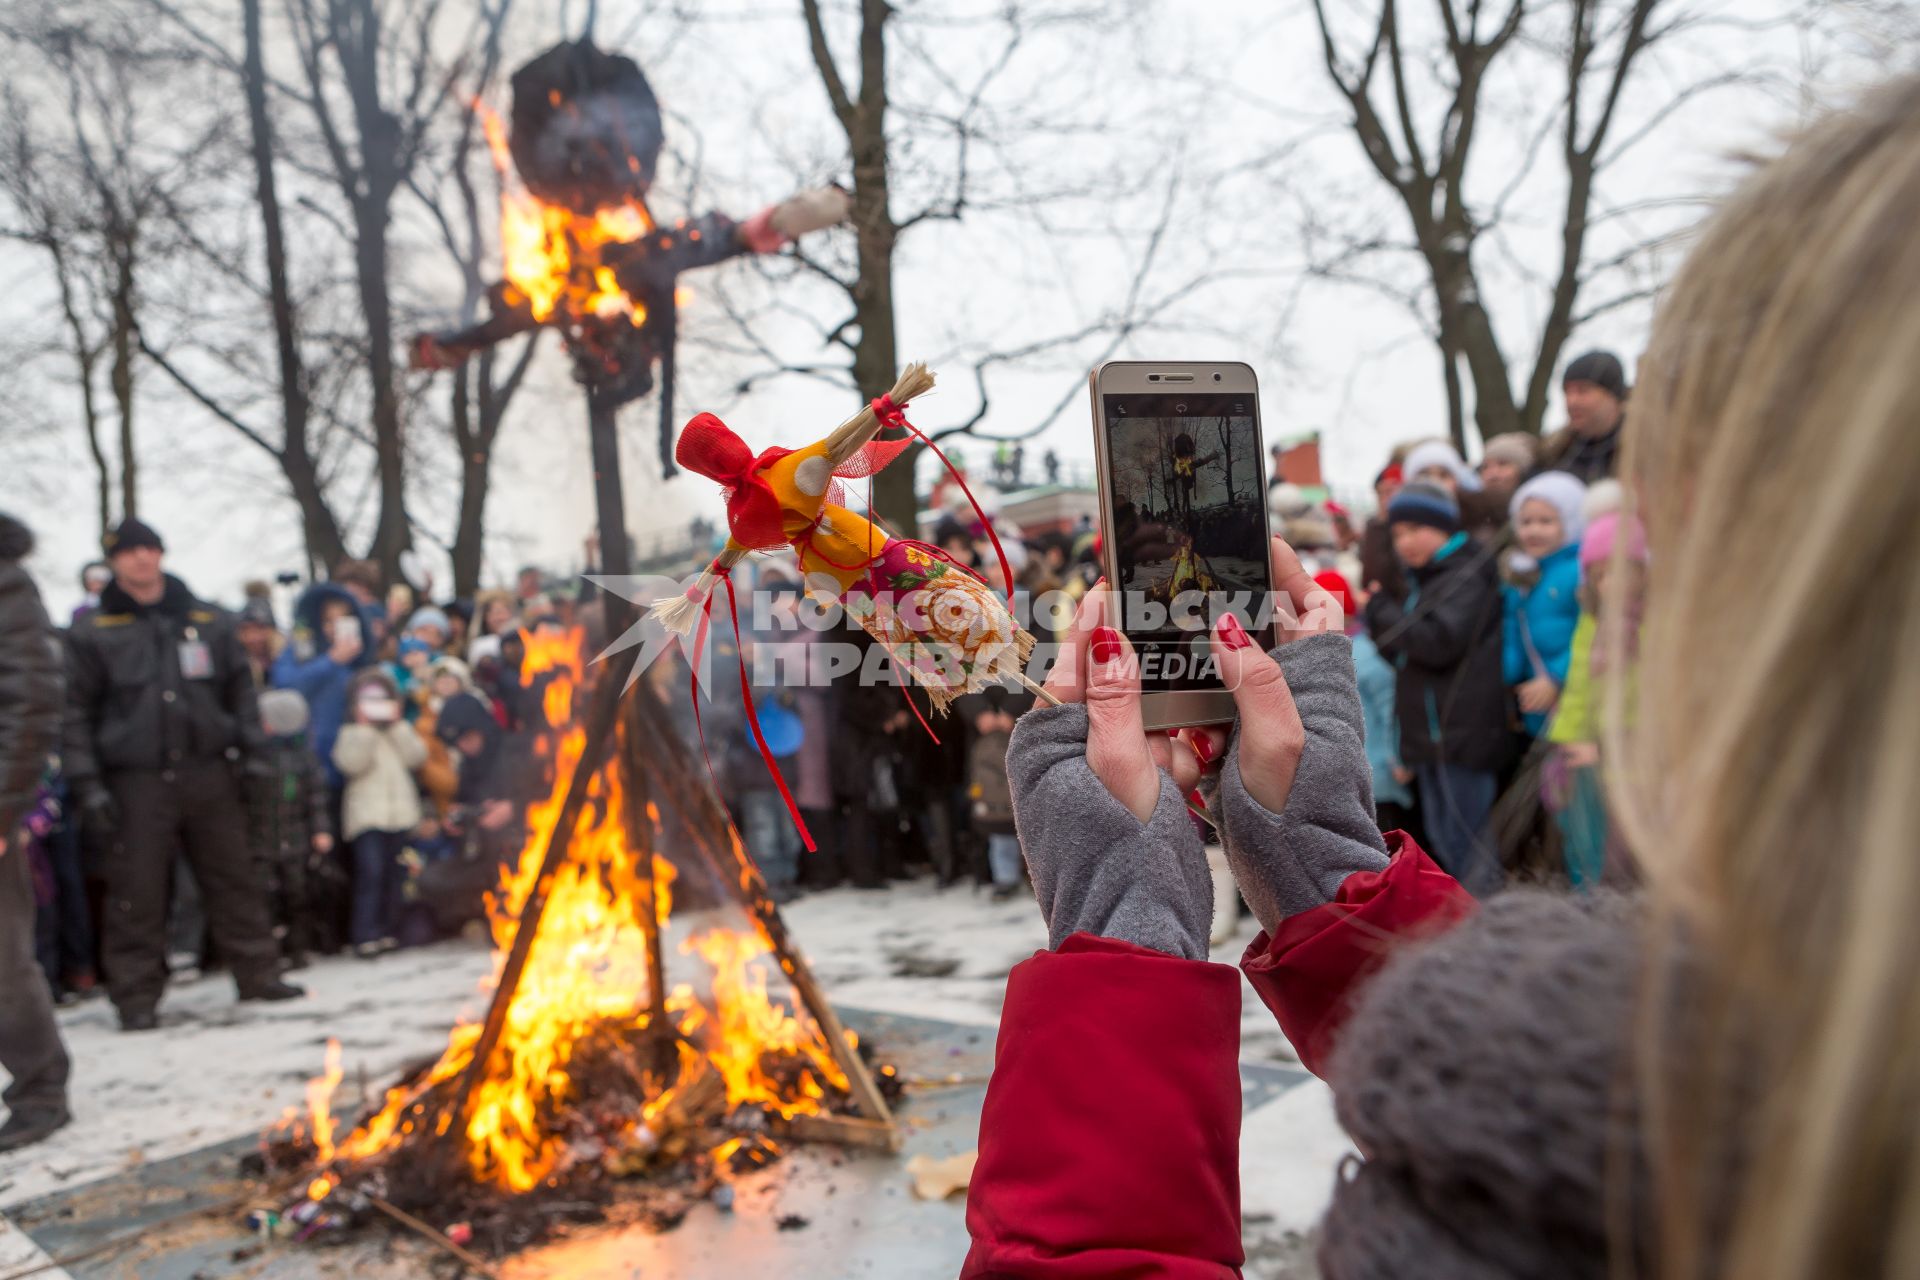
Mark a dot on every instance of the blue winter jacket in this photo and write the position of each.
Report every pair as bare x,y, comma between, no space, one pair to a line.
305,666
1379,721
1540,620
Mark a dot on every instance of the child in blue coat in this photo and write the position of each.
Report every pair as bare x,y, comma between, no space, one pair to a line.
1542,602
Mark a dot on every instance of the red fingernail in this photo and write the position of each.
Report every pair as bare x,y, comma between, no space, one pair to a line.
1232,634
1105,644
1202,749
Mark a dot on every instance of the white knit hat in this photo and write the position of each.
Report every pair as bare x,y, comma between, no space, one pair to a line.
1561,491
1438,453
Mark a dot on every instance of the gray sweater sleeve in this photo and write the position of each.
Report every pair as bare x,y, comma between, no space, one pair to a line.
1096,868
1294,860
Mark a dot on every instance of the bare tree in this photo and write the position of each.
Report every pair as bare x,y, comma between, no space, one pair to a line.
94,183
373,89
482,388
1418,91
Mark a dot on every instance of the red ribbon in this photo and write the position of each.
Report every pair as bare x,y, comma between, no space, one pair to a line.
753,717
893,415
709,447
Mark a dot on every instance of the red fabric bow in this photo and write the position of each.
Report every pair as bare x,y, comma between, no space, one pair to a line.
709,447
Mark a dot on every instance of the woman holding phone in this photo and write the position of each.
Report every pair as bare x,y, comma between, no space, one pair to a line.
1716,1077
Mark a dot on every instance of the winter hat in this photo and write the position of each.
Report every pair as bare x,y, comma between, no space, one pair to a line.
1308,532
283,712
1392,473
1559,490
1602,369
130,533
259,611
1515,448
1603,496
1438,453
1335,584
428,616
1288,501
1597,547
451,667
1427,504
16,540
464,713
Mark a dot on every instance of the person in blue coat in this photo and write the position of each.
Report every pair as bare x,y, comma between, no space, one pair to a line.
332,638
1542,598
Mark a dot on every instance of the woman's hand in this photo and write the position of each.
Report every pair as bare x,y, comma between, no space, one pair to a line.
1537,695
1098,666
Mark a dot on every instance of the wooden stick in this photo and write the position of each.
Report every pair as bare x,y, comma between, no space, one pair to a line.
848,1131
601,720
467,1257
737,870
640,838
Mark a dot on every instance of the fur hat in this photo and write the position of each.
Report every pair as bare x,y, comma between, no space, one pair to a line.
283,712
1605,532
1288,501
1438,453
1603,496
1422,503
1515,448
429,616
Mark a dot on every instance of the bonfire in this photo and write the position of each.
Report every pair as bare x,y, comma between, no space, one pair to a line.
611,1093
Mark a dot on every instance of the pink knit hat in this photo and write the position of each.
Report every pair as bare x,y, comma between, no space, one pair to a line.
1604,531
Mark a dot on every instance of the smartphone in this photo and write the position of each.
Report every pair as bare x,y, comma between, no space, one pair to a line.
1183,514
346,630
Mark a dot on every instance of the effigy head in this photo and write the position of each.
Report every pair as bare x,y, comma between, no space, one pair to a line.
586,127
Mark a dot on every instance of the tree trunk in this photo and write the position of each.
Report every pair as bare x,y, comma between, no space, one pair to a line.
325,546
122,371
469,530
392,534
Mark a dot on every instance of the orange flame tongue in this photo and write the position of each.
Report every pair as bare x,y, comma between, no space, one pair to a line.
550,255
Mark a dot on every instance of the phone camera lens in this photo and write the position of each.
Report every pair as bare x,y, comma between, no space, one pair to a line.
1216,377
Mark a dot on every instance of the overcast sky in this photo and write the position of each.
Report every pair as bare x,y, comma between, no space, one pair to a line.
1213,123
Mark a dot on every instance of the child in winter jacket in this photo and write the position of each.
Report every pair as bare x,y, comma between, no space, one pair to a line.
1573,791
1542,603
378,754
1444,637
287,802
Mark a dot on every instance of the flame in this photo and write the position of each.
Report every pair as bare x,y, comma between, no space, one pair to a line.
320,1102
550,255
587,972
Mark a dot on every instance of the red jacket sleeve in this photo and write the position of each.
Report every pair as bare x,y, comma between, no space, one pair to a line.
1310,969
1110,1137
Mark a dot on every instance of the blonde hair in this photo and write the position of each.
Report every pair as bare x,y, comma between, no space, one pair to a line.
1768,777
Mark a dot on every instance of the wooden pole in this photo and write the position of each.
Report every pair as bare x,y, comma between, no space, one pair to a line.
641,838
729,860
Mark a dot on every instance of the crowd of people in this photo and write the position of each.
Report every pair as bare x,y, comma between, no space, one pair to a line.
1472,596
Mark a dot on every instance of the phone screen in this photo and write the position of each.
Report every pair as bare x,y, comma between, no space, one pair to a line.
1189,531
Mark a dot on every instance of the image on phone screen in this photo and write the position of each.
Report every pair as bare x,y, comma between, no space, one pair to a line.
1188,496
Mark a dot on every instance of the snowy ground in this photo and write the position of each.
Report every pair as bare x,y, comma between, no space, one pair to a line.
217,1070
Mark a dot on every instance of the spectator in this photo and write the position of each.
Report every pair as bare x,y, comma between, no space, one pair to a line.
1588,447
287,808
160,703
459,613
1542,605
30,706
530,582
333,637
1392,780
1482,515
378,754
987,788
439,776
1444,638
93,580
494,617
1574,795
1507,460
1377,561
259,636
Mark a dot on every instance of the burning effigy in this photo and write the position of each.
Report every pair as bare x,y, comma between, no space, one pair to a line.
581,251
612,1091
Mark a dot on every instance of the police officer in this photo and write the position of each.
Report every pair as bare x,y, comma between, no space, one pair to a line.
160,708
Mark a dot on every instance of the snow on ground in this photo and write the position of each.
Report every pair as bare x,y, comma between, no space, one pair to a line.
217,1069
